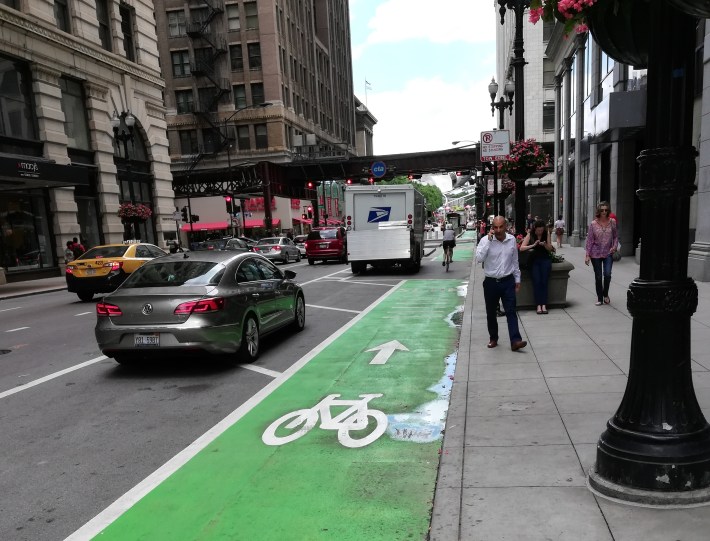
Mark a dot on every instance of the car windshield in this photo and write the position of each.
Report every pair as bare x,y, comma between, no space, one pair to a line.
176,273
104,251
270,240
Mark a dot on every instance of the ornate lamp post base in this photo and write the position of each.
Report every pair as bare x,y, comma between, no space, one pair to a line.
650,498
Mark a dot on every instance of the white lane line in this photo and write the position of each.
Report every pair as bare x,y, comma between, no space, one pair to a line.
356,282
261,370
18,329
83,314
96,525
51,376
8,309
331,308
321,278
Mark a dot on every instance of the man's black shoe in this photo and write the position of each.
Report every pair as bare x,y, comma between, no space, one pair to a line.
500,313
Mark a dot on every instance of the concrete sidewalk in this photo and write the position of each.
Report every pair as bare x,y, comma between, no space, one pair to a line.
522,427
32,287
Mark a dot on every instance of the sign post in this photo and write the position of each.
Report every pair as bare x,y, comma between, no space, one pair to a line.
495,145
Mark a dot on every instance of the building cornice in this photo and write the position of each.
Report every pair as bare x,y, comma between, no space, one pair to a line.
23,24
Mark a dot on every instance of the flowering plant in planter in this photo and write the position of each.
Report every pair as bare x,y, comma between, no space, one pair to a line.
134,211
573,13
525,155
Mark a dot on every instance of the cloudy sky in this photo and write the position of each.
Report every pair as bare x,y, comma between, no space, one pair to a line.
428,65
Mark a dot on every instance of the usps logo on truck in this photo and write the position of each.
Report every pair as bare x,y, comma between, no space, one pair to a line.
379,214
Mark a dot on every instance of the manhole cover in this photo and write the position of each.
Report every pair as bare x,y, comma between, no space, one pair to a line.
3,351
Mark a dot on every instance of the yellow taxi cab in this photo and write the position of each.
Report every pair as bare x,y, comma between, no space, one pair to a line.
103,268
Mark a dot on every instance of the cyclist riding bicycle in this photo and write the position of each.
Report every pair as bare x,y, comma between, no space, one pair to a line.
449,242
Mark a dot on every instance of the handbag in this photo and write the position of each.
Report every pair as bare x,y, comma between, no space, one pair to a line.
525,259
616,256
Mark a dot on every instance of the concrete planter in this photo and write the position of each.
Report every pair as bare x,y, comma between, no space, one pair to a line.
558,286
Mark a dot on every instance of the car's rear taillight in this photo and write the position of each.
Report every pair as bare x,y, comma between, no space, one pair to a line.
277,248
70,270
106,309
114,265
200,307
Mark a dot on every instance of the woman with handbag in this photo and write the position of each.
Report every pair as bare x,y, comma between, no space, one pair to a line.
602,242
537,244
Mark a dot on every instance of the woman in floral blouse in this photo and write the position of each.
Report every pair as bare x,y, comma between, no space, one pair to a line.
602,241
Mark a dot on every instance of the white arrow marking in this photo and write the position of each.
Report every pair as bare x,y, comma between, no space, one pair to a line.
385,351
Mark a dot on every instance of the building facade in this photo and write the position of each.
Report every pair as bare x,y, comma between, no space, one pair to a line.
67,68
596,109
250,81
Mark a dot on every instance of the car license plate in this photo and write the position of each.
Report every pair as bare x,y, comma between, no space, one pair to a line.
90,272
324,245
146,340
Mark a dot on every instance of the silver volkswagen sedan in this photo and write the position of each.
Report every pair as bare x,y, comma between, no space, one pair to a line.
205,301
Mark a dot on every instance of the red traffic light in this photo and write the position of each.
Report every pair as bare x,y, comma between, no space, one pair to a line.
227,198
310,185
348,181
310,209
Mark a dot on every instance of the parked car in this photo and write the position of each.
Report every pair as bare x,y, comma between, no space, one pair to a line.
103,268
300,242
277,249
237,245
212,244
210,302
249,241
324,243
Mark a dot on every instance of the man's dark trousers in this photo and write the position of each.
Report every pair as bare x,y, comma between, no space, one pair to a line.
495,289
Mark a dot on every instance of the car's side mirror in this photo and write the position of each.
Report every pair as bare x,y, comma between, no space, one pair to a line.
289,274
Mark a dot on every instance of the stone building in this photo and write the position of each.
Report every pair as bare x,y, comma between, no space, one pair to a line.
66,69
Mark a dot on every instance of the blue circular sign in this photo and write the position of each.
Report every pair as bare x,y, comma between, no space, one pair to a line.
378,169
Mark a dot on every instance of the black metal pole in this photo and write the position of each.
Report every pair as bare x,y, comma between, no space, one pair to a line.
518,62
656,448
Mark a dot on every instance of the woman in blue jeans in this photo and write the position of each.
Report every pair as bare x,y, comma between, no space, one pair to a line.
538,240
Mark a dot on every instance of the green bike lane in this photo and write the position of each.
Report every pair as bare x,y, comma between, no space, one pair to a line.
251,482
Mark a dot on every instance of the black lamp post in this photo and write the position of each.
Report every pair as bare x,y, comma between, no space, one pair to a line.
518,62
124,136
656,448
502,103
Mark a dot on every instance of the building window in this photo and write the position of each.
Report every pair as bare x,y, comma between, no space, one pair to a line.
240,96
233,23
548,72
102,15
203,58
237,57
76,126
17,111
262,139
188,142
177,25
257,93
127,31
9,3
548,116
254,50
207,97
201,16
210,140
252,19
243,142
183,101
61,15
181,63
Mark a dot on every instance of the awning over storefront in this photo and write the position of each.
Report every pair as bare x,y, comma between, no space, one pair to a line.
547,180
28,173
205,226
260,223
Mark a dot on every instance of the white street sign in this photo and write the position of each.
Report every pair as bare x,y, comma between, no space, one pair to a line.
385,351
177,216
495,145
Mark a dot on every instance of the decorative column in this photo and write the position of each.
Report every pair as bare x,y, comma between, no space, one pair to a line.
566,200
656,448
575,238
558,146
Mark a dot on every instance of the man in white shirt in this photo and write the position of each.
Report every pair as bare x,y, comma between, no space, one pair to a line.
498,251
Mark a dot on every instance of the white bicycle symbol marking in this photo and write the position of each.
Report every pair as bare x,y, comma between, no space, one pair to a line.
353,418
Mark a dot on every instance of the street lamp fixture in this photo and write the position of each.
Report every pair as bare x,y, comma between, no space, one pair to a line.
502,103
123,136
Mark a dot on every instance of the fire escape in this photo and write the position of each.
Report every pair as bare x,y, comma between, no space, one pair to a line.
212,87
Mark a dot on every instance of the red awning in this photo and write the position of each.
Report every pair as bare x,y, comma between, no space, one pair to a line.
202,226
260,223
333,222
